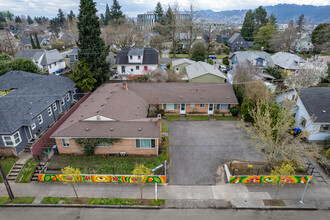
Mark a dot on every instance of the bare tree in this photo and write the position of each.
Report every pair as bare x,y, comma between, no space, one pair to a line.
310,74
191,26
283,41
157,75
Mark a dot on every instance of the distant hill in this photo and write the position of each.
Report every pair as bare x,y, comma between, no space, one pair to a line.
283,12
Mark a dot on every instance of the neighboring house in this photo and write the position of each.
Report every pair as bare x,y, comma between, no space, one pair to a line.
237,43
29,103
222,38
312,103
52,62
137,61
258,59
179,65
304,45
204,73
43,40
288,61
73,57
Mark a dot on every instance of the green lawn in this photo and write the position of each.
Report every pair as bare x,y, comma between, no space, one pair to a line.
180,56
164,127
17,200
27,172
172,117
166,146
198,118
7,165
24,200
98,164
225,118
101,201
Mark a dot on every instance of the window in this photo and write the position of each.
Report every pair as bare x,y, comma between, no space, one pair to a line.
223,106
303,121
202,105
62,102
103,145
68,96
325,128
132,70
170,106
192,105
137,67
139,57
33,126
65,143
54,106
40,120
49,111
13,140
130,57
145,143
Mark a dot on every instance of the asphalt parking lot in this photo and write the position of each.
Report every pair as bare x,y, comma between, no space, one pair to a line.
198,148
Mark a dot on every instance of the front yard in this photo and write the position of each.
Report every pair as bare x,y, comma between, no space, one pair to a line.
7,164
107,164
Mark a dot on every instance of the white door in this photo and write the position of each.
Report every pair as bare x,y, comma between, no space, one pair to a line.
182,109
210,109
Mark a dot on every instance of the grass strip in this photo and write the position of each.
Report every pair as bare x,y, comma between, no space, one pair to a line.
172,117
198,118
24,200
27,171
4,200
164,127
225,118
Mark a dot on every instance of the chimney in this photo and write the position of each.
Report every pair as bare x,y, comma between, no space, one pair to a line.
262,48
125,86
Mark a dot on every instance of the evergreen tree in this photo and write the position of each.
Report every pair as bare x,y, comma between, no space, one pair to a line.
115,13
10,16
272,19
61,17
18,19
248,26
264,35
301,23
71,16
260,16
54,26
198,52
29,20
92,47
107,15
2,18
159,13
32,42
37,40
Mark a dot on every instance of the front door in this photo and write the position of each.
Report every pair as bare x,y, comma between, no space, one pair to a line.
210,109
182,109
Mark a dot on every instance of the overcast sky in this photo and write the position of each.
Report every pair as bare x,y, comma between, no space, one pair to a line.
131,8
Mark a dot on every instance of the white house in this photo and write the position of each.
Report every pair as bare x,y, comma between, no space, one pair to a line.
52,62
137,61
312,112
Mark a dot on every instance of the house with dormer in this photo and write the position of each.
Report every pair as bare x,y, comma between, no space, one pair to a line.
29,103
258,59
137,61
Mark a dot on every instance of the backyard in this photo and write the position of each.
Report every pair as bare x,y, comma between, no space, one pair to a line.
107,164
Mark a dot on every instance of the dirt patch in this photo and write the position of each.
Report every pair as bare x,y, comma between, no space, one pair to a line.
273,202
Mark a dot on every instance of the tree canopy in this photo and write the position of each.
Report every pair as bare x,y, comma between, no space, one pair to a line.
8,64
264,35
159,13
198,52
115,12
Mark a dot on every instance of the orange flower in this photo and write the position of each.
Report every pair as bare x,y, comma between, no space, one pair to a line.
53,178
150,179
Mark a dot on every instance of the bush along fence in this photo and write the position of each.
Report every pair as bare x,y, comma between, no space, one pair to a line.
265,178
98,178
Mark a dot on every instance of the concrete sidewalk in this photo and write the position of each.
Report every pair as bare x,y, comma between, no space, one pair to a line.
237,195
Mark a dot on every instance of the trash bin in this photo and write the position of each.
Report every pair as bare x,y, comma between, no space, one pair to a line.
55,149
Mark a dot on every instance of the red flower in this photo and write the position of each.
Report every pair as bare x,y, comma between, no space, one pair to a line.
134,179
87,178
69,178
115,178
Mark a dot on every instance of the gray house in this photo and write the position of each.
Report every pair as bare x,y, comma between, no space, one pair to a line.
237,43
29,103
258,59
43,40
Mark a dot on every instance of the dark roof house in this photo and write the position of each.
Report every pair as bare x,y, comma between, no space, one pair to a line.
237,43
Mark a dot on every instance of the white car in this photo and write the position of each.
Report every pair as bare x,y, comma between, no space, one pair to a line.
223,68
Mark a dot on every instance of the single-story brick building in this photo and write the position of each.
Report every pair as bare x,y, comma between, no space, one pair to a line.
117,113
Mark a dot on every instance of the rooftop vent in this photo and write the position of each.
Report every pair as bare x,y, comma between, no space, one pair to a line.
181,97
201,97
111,129
136,113
87,129
324,111
227,97
140,129
138,106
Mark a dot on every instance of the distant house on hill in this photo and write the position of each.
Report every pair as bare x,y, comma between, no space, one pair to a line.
52,62
237,43
44,41
137,61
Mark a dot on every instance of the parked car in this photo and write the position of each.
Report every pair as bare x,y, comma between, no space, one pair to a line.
223,68
212,57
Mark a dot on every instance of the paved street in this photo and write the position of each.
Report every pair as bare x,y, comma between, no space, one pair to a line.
198,148
173,214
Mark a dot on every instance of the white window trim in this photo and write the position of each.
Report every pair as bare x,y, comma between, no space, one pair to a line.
324,131
42,120
67,140
68,96
202,106
156,143
12,139
50,113
62,102
33,126
54,106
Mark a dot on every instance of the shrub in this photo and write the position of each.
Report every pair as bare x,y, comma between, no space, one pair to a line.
225,61
300,169
210,61
328,153
216,112
246,106
168,66
161,111
327,144
234,111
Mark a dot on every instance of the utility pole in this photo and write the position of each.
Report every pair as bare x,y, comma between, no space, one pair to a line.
208,47
5,181
11,46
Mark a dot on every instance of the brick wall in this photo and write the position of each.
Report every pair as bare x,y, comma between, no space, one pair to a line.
125,145
190,109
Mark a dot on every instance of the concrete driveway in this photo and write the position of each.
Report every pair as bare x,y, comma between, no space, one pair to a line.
198,148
